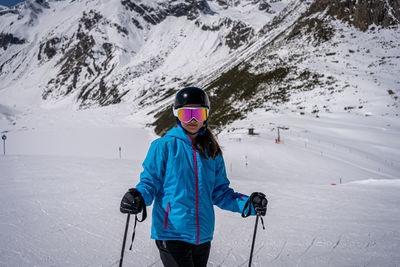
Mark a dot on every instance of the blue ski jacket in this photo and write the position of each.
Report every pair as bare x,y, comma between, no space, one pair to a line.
185,187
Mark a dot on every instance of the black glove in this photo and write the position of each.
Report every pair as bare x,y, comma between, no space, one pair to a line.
259,203
132,202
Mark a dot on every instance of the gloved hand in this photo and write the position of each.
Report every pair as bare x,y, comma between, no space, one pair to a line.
132,202
259,202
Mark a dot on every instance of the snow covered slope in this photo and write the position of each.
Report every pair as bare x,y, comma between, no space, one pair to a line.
60,190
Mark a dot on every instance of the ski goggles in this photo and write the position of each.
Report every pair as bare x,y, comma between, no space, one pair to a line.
200,114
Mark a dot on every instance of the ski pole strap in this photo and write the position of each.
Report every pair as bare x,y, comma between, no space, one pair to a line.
144,216
262,221
134,231
247,205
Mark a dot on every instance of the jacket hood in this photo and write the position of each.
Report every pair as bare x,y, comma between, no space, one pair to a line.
178,132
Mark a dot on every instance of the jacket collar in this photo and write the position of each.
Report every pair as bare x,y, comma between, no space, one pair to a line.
178,132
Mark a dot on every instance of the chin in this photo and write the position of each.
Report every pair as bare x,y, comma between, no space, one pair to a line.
194,132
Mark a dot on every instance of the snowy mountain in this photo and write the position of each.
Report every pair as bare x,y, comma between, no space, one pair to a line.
314,58
246,54
100,52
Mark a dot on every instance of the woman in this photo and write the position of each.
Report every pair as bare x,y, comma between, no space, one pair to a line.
184,173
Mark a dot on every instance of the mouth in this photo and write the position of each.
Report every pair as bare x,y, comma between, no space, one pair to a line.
192,124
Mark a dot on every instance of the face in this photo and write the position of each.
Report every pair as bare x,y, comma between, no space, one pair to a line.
192,126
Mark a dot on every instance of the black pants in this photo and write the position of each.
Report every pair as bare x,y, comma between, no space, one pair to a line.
183,254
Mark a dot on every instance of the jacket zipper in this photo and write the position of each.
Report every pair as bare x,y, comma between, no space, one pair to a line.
166,217
197,192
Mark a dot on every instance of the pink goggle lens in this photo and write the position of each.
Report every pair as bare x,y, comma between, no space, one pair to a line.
187,114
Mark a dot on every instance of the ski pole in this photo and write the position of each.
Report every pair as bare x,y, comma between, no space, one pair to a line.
123,243
254,239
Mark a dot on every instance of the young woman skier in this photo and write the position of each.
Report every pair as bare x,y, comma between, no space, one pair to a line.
184,173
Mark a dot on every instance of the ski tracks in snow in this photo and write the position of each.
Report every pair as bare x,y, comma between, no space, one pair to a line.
154,263
280,252
68,225
41,208
114,263
309,246
254,254
224,259
370,243
337,243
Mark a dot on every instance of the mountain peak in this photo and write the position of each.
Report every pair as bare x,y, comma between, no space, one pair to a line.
361,14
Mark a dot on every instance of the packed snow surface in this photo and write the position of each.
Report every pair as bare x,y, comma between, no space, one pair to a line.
333,186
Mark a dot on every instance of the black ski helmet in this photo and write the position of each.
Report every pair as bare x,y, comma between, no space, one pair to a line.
190,96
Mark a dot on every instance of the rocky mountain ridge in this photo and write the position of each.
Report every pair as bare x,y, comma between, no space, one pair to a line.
85,57
293,62
247,54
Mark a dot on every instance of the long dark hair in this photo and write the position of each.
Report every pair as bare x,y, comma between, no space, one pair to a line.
208,145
